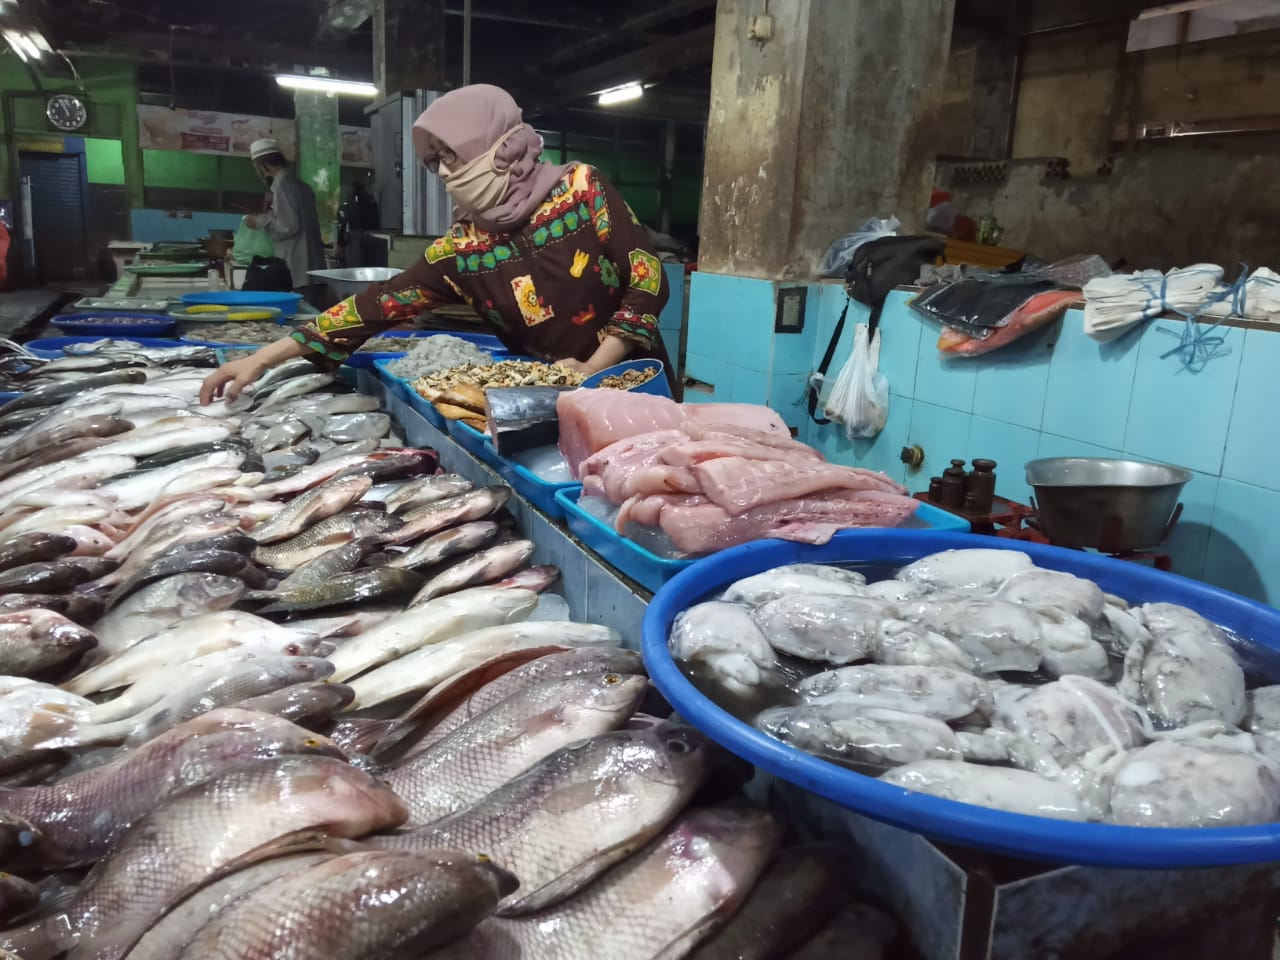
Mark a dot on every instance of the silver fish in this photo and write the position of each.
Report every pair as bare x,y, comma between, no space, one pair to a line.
323,568
32,641
477,570
556,826
350,427
453,542
420,491
324,501
660,903
84,814
310,705
508,739
201,830
346,588
366,904
291,390
462,508
163,603
323,537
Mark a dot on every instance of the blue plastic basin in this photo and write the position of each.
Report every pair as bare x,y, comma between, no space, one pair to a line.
1018,835
652,571
287,303
659,386
539,492
55,346
110,323
473,441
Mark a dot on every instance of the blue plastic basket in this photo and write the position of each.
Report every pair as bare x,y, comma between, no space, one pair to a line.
473,441
110,323
1012,834
652,571
286,303
399,386
528,484
659,386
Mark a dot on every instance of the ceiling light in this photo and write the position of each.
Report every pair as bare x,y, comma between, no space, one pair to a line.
621,94
327,85
28,45
14,39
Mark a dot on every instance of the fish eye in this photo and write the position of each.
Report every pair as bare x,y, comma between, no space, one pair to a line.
677,747
612,679
311,742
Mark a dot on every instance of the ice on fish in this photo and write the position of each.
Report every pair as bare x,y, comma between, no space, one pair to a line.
851,734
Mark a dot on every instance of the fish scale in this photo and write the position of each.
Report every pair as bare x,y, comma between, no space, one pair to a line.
509,738
322,537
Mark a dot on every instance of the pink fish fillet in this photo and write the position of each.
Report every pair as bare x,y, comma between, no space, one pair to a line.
591,420
698,430
617,463
737,485
704,528
696,451
646,510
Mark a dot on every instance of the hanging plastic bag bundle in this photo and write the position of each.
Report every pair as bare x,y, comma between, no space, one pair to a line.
1113,305
249,243
859,399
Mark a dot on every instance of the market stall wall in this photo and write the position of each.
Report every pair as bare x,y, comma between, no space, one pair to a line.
1054,394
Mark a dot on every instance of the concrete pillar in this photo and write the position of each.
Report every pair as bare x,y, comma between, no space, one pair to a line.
408,45
320,153
995,78
821,115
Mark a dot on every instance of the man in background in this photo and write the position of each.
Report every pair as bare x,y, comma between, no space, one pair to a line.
292,222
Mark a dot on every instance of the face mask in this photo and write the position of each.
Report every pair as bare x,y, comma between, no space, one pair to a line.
479,185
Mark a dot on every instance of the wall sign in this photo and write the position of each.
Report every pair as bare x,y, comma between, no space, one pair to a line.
231,134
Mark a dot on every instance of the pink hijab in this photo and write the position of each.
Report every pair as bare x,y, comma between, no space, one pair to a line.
472,119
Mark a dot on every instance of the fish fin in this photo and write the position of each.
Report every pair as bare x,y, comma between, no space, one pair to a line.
360,735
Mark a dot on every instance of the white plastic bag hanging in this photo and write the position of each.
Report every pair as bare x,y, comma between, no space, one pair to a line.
860,397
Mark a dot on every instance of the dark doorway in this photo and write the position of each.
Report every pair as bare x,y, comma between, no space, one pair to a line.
57,215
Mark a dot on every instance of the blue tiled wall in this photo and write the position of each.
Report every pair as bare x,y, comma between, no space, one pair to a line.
1056,393
154,226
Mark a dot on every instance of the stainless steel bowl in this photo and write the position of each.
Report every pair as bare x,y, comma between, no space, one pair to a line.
1110,505
350,281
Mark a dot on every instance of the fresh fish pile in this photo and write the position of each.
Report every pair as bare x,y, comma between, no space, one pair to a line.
976,676
259,704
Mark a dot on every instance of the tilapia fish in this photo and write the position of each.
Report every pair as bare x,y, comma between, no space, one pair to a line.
346,588
323,537
33,641
560,825
420,491
478,569
84,814
311,705
362,905
454,542
441,514
33,548
659,903
163,603
310,508
198,832
509,738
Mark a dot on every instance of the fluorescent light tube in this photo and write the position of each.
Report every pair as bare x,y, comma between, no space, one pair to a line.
621,94
327,85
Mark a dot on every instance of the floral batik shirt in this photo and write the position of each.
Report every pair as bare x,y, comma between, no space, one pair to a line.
580,269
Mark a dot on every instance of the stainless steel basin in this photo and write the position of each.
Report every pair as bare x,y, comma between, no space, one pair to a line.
350,281
1110,505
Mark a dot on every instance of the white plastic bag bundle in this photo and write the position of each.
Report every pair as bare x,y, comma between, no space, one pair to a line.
859,398
1113,305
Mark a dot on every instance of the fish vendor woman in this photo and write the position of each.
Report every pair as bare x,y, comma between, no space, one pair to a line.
551,255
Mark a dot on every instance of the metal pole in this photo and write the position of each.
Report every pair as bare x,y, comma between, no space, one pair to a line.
466,42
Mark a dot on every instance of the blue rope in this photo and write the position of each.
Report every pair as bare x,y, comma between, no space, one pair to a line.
1197,342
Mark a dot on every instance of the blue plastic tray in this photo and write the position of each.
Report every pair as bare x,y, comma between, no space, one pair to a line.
397,385
473,441
287,303
52,347
1018,835
484,341
528,484
130,325
659,386
652,571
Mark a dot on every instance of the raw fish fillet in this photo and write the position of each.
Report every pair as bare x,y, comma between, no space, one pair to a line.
591,420
1041,309
646,509
696,451
698,430
737,484
703,528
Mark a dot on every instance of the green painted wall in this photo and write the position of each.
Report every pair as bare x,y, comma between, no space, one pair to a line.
111,93
320,153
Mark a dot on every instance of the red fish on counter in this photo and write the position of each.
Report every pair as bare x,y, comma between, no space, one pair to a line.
1041,309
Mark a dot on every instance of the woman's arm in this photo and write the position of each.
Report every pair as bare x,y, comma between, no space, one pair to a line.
334,335
627,243
231,378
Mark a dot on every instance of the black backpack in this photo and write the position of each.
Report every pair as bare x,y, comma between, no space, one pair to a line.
878,266
268,273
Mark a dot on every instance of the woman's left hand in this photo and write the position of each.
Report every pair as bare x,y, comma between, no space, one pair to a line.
577,366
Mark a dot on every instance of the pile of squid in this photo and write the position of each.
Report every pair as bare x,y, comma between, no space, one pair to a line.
271,686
